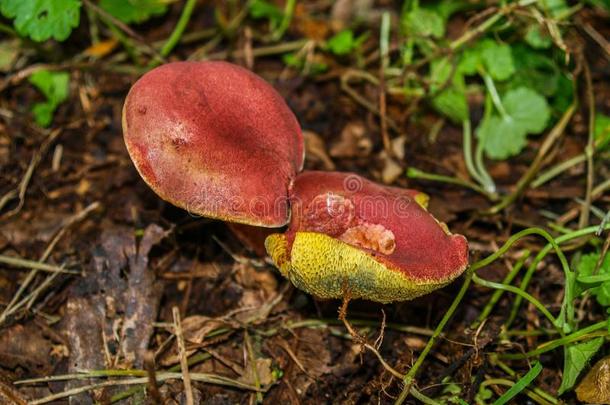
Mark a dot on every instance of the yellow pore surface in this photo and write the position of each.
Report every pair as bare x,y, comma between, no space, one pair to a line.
329,268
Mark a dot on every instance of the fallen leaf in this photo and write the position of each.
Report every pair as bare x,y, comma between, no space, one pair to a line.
264,372
101,48
195,329
353,142
316,149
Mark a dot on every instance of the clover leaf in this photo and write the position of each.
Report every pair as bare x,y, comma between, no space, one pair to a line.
54,85
449,91
134,11
422,22
495,58
498,59
526,112
43,19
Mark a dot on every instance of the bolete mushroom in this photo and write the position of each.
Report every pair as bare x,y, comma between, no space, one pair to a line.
215,139
378,242
218,141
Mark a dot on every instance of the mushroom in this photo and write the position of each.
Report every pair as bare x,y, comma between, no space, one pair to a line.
350,235
218,141
215,139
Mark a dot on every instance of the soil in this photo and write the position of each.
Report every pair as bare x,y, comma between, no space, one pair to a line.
77,203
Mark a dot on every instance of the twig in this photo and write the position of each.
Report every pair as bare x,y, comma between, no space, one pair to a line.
25,181
345,86
599,38
487,24
152,386
202,377
186,378
261,51
124,27
32,264
13,306
589,148
254,366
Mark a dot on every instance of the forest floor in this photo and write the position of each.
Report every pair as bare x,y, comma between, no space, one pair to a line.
107,278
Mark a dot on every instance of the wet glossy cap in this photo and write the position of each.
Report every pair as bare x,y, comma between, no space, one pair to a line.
215,139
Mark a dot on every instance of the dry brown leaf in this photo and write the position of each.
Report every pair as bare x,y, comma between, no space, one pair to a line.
102,48
195,329
29,347
316,149
353,142
264,372
391,169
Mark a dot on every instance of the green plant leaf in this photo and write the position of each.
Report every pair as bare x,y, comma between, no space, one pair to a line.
470,61
498,59
449,93
502,138
134,11
529,109
527,112
422,22
576,357
484,394
298,62
602,130
554,7
494,57
452,103
537,38
263,9
55,87
446,8
586,273
520,385
564,95
440,72
534,70
342,43
43,19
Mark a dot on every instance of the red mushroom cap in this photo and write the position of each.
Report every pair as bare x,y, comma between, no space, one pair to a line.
380,240
215,139
387,221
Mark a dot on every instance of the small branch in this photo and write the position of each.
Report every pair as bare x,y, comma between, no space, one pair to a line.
186,378
32,264
589,148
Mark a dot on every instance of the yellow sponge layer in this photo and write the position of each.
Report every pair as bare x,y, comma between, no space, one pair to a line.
327,268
